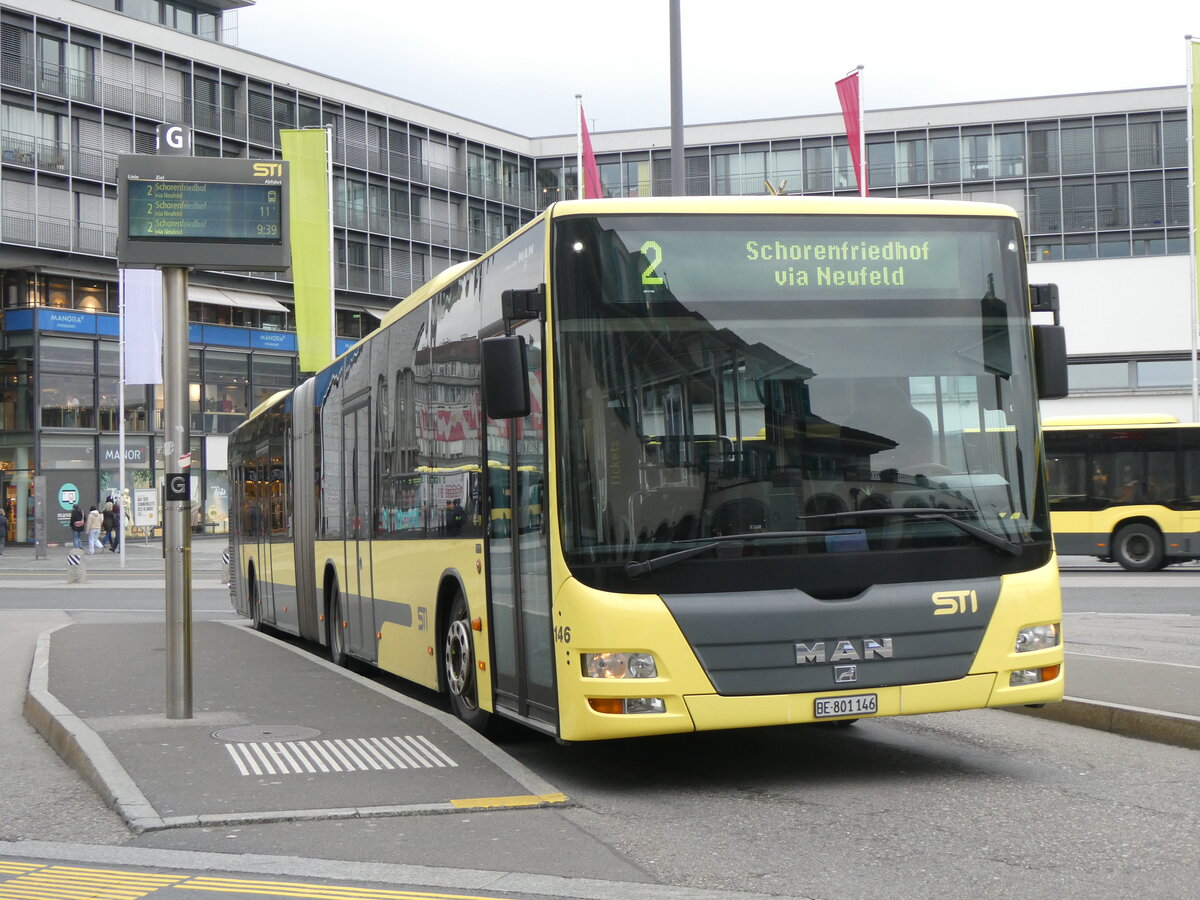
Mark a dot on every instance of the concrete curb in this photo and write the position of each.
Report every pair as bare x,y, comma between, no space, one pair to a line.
1128,721
84,750
81,748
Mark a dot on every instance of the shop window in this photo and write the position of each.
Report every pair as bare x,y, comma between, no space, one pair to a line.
67,401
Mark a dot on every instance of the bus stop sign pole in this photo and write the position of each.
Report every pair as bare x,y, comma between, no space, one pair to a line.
177,535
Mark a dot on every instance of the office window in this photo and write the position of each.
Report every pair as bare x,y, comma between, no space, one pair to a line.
1079,207
1109,246
1010,155
1045,213
1043,149
1077,148
1111,151
1177,200
1174,142
787,165
1045,249
1146,200
977,156
945,152
1112,203
1159,373
910,160
1145,144
1082,247
146,10
881,164
1112,376
818,168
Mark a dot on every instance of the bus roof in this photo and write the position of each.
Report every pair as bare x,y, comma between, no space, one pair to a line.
792,205
425,291
274,398
1118,421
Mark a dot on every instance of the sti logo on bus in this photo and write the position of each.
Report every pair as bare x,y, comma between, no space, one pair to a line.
268,170
950,603
844,649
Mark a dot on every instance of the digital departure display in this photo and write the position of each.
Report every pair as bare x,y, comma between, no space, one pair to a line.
204,211
222,213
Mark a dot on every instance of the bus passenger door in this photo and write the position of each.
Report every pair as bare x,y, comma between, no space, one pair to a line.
260,518
518,570
358,606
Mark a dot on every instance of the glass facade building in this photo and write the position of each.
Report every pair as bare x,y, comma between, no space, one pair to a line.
1095,177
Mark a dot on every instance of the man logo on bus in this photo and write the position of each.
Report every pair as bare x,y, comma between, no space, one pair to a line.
949,603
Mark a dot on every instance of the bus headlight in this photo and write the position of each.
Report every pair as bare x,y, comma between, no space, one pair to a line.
1037,637
619,665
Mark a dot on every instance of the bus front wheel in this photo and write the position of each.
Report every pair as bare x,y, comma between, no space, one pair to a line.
458,657
1138,548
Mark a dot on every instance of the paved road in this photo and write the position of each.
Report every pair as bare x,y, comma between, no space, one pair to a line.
888,808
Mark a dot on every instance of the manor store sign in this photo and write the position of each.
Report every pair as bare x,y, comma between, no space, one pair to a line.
135,454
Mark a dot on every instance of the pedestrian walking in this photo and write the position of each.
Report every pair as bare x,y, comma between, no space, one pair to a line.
77,527
94,521
108,523
3,529
115,537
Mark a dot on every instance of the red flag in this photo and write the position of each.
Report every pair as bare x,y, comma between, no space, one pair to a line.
847,91
591,175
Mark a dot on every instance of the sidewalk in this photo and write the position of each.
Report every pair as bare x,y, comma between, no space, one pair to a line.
140,556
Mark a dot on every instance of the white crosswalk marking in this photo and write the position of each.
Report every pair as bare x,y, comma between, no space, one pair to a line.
337,755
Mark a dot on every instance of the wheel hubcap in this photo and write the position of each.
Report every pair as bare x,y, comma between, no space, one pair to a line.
458,662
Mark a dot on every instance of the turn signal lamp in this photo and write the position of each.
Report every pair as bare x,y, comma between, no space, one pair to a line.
1033,676
628,706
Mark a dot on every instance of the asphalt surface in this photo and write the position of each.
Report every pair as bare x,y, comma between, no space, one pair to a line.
278,735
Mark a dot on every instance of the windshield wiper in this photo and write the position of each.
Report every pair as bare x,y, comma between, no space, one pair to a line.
635,569
929,514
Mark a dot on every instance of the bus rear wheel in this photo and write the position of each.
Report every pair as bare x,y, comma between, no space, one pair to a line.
458,658
335,634
1138,548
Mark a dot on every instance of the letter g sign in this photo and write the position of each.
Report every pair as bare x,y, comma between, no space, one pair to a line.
174,140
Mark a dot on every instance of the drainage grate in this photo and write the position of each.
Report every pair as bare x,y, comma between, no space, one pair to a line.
336,755
245,733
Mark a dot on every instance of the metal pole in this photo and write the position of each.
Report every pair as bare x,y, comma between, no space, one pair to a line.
121,418
579,181
677,189
177,537
1194,312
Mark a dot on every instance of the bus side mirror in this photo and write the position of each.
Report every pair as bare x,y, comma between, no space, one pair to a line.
505,377
1050,361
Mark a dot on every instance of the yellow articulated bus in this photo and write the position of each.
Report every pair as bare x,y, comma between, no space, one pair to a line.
667,465
1125,488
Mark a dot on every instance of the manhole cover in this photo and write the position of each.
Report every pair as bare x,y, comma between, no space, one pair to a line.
249,734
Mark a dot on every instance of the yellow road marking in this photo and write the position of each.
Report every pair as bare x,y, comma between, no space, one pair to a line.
311,891
71,883
519,800
9,867
37,881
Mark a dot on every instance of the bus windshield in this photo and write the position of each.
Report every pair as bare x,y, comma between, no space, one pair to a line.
764,387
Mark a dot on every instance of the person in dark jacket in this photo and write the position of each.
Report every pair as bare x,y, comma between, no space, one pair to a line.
77,527
109,523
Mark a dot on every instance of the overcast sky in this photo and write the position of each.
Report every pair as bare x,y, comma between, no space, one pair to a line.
517,64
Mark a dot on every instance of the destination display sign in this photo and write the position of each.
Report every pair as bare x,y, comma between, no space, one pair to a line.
202,212
788,258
